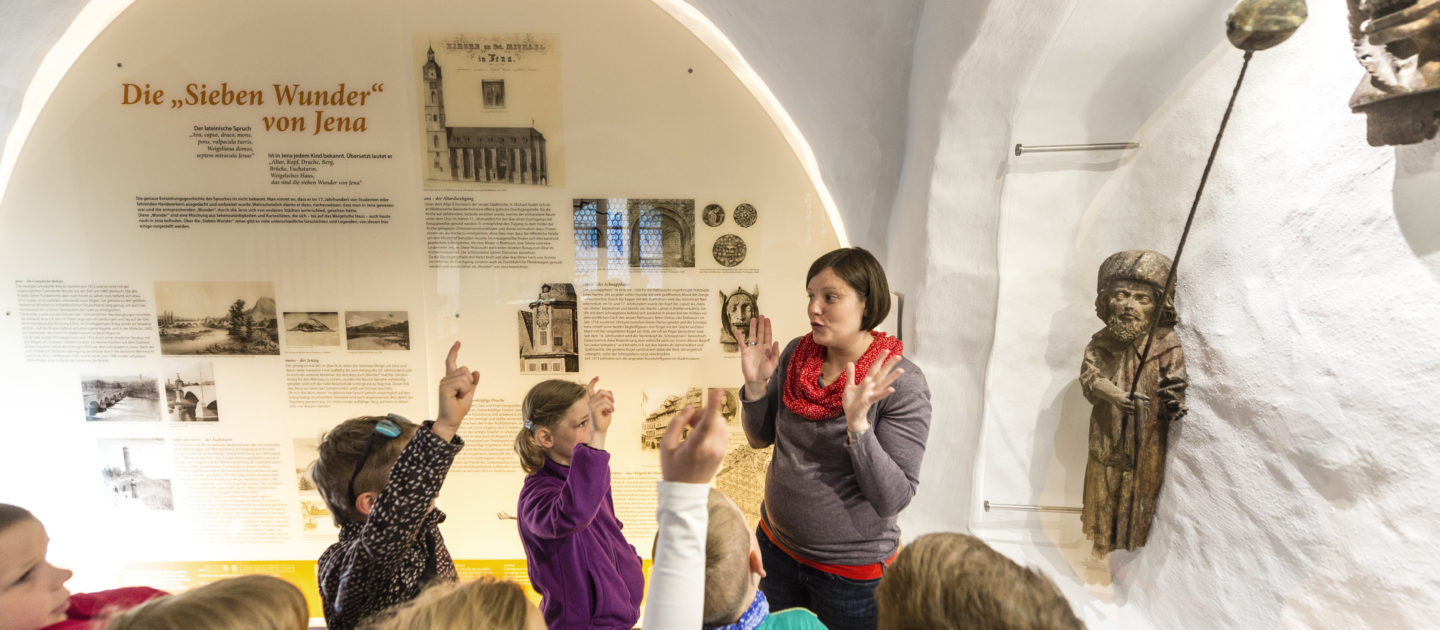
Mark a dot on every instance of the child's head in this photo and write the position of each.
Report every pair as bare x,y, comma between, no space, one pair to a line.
732,562
32,591
248,602
556,414
483,604
343,448
957,581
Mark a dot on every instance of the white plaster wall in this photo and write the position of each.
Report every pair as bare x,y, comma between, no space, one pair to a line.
942,254
842,70
1300,490
28,28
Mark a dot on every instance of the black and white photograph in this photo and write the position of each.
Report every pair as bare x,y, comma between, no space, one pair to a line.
115,397
713,215
377,330
137,473
729,250
491,115
217,318
493,92
550,330
190,392
745,215
309,329
736,310
662,233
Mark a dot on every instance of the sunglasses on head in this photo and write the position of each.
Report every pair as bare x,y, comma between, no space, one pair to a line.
388,428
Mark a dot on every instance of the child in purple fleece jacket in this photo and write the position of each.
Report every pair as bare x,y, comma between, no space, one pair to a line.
587,574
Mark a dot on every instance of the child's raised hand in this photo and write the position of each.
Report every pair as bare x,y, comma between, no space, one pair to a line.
602,406
457,392
695,459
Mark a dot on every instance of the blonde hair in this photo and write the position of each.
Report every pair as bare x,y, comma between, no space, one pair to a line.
248,602
544,406
727,561
340,448
952,581
485,603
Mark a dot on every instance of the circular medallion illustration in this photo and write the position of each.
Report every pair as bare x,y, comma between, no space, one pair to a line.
729,250
714,215
744,215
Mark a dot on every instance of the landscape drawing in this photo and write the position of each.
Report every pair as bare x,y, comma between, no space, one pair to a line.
377,330
217,318
312,330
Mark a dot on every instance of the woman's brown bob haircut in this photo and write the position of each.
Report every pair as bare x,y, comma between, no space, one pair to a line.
859,269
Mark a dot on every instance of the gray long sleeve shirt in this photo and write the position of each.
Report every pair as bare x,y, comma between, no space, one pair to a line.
831,501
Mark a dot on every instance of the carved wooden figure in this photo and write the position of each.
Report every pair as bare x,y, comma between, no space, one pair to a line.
1128,435
1398,43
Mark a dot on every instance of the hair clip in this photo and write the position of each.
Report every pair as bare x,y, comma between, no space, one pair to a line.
529,426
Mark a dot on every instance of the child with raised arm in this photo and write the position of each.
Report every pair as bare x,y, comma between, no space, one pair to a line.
380,476
687,466
707,562
587,574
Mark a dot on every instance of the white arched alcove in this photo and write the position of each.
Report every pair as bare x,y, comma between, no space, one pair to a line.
647,101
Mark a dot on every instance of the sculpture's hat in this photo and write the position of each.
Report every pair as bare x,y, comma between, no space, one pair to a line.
1138,265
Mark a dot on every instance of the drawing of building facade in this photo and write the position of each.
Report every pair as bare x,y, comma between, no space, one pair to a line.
514,155
549,331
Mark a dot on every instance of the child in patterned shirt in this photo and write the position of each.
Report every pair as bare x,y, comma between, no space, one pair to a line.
380,476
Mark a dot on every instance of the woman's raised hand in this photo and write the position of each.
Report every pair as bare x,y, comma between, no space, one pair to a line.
759,356
602,406
875,387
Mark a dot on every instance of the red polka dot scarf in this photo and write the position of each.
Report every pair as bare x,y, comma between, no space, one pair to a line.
803,393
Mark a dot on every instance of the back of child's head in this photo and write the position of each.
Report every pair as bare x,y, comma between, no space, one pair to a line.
248,602
485,603
727,561
544,406
951,581
341,448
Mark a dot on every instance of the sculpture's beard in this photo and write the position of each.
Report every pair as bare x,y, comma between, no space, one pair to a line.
1126,328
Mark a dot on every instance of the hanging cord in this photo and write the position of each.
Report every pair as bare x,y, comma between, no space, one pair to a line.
1184,235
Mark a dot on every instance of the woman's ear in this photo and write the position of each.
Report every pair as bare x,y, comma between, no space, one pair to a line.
544,437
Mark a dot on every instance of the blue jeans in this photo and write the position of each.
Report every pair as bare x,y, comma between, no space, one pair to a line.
840,602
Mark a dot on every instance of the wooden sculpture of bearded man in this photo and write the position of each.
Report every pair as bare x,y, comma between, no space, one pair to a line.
1128,435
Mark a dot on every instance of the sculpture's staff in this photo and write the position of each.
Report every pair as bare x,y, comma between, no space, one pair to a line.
1252,25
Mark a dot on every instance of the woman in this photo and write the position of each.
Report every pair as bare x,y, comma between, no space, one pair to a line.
849,418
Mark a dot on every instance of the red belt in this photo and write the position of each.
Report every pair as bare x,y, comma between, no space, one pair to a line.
852,571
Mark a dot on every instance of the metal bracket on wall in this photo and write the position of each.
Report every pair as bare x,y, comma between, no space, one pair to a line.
1030,508
1021,149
